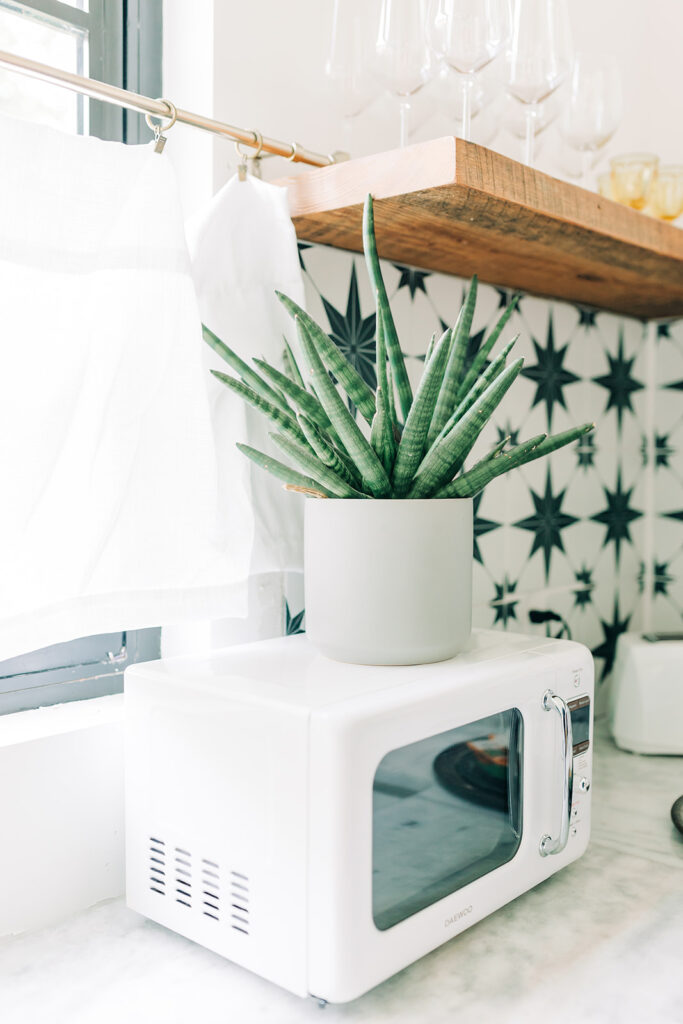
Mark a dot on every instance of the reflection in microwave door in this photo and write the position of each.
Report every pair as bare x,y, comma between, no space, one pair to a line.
476,771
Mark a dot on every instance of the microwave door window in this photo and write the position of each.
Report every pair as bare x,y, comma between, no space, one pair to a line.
446,810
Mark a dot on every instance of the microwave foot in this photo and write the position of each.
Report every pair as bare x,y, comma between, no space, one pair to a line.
322,1003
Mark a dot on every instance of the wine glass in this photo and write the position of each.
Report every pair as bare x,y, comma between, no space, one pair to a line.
484,102
467,35
403,62
540,57
348,58
514,117
593,109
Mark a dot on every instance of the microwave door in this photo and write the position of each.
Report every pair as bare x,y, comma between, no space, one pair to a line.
446,810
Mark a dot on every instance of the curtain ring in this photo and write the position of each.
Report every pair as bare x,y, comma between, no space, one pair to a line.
258,141
295,151
162,127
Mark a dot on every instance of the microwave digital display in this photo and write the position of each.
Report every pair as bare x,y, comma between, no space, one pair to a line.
580,710
446,810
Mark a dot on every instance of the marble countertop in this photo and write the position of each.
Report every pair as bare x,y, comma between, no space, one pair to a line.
600,942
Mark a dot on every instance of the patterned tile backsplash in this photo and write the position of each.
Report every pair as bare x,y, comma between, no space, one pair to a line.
593,533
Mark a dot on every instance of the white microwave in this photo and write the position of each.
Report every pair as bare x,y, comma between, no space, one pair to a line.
325,825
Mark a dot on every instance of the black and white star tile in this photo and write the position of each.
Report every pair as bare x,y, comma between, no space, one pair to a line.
569,534
667,450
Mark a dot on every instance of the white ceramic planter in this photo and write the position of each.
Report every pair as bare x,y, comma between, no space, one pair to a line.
388,582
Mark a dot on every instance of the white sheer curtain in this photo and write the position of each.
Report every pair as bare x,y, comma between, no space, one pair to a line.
109,511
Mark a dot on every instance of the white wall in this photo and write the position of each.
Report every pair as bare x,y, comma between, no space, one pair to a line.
188,81
267,67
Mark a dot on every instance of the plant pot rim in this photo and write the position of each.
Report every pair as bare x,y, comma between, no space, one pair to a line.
396,501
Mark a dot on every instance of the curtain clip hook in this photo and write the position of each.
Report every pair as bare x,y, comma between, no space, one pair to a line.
159,128
242,166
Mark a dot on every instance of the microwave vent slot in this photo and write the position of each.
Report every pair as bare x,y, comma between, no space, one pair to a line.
239,902
211,889
197,884
183,877
157,865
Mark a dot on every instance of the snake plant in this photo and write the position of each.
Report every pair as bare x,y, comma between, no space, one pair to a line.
409,445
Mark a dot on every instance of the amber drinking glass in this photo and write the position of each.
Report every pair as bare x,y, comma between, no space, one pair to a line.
632,176
666,193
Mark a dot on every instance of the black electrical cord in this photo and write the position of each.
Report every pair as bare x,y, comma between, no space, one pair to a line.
537,616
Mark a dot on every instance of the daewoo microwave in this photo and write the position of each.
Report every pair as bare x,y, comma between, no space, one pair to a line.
324,824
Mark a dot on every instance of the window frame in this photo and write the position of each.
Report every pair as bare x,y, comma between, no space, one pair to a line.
124,49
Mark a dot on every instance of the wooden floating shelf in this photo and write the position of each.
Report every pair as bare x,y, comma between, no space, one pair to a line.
455,207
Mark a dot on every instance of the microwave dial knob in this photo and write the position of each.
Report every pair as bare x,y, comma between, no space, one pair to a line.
584,785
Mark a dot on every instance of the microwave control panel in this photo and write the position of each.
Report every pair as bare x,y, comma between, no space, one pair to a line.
580,710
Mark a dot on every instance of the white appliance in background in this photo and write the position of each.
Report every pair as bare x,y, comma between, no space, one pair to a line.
646,708
325,824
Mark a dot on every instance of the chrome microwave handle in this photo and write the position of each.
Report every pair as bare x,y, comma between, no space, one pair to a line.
548,845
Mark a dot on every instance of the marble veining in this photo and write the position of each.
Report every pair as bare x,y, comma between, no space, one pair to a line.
599,943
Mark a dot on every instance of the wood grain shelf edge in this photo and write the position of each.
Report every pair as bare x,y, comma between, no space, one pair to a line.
455,207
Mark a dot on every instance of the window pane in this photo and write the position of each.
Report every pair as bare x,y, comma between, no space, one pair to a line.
104,649
38,38
446,810
89,667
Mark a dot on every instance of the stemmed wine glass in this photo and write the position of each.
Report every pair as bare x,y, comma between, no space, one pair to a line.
593,109
485,102
403,62
348,57
347,67
467,35
540,57
545,114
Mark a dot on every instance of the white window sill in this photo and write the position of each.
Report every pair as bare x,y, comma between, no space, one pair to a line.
62,848
41,723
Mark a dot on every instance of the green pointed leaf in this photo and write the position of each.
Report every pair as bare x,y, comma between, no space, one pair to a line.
471,483
382,435
291,365
446,456
318,470
335,361
327,453
282,472
430,347
446,403
496,450
381,355
284,420
301,398
483,353
364,458
478,388
249,376
414,437
386,380
398,366
391,405
555,441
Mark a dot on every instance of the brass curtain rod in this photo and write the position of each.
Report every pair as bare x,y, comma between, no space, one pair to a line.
161,109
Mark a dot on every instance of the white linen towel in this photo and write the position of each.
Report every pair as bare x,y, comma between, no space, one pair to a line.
108,516
243,248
